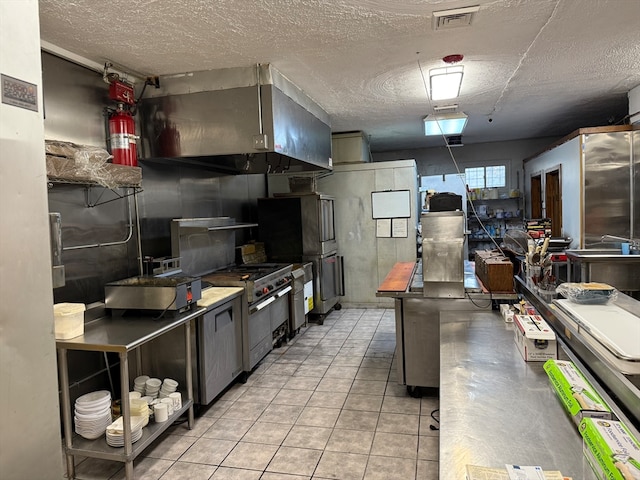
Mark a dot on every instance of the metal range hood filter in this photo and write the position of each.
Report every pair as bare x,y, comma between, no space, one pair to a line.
237,120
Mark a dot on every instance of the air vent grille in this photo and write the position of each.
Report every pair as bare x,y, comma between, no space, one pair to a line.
454,18
446,108
454,141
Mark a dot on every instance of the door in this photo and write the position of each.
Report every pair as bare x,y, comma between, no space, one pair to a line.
553,201
329,275
327,227
536,196
220,349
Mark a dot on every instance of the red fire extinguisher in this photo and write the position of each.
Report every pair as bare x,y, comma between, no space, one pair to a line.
122,137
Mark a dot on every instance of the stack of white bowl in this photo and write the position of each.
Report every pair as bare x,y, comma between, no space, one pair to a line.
92,414
169,385
139,384
152,387
115,431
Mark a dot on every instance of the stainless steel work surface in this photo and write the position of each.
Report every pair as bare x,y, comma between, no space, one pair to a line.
214,296
494,407
122,334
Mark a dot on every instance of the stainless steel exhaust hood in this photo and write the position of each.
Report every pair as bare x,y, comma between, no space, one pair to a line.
235,120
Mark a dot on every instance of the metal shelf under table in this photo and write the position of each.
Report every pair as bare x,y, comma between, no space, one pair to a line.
121,335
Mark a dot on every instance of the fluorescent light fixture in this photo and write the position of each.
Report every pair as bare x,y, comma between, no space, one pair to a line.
445,123
445,82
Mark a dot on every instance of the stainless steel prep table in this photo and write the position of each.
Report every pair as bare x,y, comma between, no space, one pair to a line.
497,409
121,335
418,320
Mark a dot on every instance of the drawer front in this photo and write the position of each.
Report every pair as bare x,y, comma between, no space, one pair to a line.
259,326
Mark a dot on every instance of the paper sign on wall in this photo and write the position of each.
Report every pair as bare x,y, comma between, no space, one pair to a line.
383,228
399,228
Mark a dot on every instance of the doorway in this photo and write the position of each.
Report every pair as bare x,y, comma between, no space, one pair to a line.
536,196
553,201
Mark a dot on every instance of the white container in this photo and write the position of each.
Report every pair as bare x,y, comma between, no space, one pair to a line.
69,320
169,403
161,412
177,400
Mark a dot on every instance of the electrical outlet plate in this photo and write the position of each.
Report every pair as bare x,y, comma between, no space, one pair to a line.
261,142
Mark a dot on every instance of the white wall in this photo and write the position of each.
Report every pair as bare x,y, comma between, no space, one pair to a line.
568,156
437,161
367,258
30,444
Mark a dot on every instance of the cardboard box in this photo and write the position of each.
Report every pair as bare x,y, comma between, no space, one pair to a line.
534,338
575,392
611,449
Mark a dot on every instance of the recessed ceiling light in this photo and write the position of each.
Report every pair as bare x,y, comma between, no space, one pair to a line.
445,82
444,123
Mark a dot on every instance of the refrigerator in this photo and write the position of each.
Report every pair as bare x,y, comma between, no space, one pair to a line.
300,228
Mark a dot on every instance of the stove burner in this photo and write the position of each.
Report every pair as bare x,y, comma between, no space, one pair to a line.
259,279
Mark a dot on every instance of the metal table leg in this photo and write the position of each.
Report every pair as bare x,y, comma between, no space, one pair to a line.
63,370
138,362
187,349
125,410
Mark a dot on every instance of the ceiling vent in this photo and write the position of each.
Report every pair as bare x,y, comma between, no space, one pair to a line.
455,141
446,108
454,18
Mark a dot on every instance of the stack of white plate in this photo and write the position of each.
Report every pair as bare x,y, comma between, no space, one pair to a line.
139,384
115,431
92,414
169,386
152,387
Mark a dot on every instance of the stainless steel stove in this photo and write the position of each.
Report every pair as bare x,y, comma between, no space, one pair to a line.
266,312
260,280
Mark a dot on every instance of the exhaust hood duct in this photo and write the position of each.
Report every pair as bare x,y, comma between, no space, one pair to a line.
242,120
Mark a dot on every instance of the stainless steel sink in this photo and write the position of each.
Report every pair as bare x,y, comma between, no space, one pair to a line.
601,254
606,265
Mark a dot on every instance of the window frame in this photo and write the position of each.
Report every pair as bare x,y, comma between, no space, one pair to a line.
484,175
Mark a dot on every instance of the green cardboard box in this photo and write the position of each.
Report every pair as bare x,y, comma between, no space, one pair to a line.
575,392
611,449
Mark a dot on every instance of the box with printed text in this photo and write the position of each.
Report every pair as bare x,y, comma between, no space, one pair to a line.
534,338
611,449
575,392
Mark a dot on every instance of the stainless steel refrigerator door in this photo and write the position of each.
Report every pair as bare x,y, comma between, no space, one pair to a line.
220,347
329,282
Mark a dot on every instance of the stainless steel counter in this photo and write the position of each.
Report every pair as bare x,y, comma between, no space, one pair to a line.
494,407
626,389
418,321
605,265
123,334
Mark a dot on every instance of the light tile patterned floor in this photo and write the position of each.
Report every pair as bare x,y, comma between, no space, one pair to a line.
324,406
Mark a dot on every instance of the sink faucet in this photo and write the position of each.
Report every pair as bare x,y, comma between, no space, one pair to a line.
635,242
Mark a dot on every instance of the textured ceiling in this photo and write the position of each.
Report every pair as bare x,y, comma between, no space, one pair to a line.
534,68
